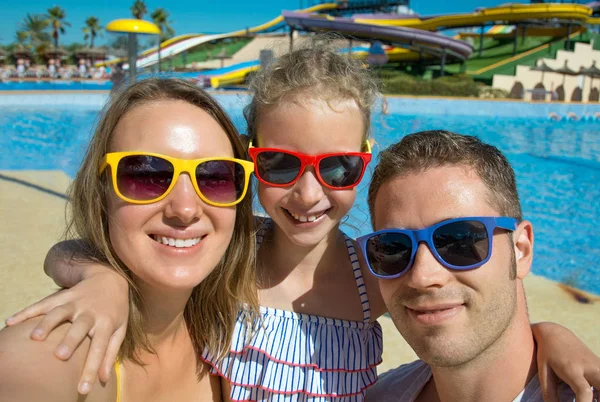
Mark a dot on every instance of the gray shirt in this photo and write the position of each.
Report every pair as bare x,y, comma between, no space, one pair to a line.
404,384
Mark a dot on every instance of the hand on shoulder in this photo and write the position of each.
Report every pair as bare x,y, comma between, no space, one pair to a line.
29,370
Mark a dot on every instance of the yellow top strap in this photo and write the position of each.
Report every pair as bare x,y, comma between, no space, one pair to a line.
118,377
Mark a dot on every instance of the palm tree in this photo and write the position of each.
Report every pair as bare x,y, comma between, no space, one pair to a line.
91,30
139,9
160,17
56,17
34,27
21,37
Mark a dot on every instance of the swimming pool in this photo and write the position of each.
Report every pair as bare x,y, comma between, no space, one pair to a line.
58,85
557,163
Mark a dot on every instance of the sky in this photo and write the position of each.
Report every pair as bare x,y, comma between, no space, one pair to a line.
187,16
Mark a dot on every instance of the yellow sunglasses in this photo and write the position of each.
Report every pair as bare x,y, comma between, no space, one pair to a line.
144,177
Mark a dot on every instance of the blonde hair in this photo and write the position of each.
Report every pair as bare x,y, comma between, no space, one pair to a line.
214,305
317,71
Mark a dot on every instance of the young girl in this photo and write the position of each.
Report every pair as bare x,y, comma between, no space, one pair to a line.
155,200
308,123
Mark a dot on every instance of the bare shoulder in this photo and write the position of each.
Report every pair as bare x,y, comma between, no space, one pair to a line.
376,303
29,371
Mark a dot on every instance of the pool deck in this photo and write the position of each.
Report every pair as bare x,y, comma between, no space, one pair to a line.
32,211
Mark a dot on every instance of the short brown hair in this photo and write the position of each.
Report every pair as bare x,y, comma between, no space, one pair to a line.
317,71
428,149
214,305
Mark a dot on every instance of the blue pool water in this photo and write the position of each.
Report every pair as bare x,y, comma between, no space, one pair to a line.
557,166
56,86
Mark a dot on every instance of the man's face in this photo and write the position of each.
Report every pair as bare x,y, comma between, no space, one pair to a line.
448,317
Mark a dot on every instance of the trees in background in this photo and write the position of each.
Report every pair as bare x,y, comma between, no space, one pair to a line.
139,9
91,30
57,19
41,32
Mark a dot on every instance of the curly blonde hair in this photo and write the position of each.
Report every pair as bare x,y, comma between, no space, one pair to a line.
317,71
214,305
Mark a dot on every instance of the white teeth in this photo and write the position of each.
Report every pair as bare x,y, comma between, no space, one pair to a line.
303,218
177,243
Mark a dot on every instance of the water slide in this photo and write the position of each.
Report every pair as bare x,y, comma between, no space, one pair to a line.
234,74
508,32
182,43
513,13
417,40
237,73
412,32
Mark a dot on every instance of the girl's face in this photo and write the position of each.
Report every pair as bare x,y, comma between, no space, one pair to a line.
307,211
197,234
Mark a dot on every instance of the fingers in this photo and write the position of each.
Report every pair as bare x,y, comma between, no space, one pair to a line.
578,383
594,376
112,352
53,319
39,308
94,359
549,383
74,336
583,391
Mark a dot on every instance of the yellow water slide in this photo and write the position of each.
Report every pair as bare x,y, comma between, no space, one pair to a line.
514,13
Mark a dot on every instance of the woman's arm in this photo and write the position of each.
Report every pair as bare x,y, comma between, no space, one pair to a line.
97,304
562,356
29,371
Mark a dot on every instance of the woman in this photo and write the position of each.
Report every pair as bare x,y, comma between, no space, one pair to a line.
160,198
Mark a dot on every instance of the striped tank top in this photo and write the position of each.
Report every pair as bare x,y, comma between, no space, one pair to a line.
302,357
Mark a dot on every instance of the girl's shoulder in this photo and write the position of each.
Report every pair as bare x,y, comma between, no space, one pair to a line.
29,369
376,303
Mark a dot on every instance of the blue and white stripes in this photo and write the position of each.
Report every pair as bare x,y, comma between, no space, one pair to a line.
302,357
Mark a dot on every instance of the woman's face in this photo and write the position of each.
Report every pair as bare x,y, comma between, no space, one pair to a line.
138,232
307,211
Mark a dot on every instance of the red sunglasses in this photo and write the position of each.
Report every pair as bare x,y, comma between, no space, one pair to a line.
282,168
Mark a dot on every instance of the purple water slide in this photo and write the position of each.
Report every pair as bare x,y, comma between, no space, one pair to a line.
594,5
429,42
384,16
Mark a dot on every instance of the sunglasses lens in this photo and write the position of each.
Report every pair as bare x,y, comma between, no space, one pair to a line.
463,243
143,177
221,182
277,167
389,254
341,170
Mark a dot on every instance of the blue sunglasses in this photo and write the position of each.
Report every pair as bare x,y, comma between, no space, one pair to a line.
458,244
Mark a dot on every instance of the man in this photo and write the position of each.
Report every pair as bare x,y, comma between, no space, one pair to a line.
454,289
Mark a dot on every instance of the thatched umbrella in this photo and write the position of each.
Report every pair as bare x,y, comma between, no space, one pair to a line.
93,53
565,70
56,53
22,52
543,68
592,72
